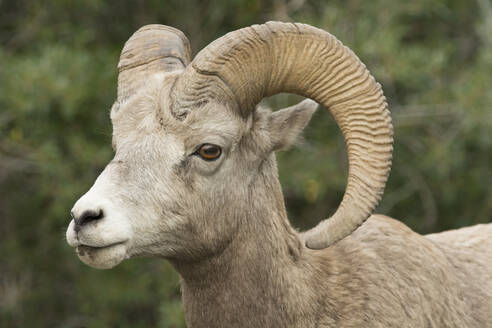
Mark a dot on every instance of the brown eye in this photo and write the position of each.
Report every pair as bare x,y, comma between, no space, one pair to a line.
209,152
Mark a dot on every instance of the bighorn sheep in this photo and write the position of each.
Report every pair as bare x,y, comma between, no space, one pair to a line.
194,180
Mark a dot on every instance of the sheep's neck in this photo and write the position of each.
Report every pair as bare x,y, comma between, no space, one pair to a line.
255,282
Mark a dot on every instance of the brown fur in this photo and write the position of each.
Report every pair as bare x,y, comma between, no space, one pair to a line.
223,224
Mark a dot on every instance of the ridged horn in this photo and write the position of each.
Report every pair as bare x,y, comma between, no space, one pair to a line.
249,64
153,48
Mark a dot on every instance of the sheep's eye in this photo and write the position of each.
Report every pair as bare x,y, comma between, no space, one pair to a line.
209,152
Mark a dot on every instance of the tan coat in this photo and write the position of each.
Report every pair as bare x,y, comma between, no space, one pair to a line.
194,180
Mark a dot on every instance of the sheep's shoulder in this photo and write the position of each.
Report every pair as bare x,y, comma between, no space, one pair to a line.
420,278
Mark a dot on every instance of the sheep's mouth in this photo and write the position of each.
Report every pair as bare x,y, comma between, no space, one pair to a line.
84,249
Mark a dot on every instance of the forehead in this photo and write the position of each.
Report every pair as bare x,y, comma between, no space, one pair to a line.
212,120
148,112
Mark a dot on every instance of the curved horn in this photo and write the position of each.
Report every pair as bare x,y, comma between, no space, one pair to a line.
249,64
153,48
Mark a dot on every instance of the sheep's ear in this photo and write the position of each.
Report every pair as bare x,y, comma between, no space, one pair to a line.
286,125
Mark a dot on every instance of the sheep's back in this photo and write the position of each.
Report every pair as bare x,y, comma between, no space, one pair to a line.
470,252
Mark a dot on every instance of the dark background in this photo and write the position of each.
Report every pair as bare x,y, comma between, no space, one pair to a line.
58,79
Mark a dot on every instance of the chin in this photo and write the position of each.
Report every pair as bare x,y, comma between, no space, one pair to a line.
102,257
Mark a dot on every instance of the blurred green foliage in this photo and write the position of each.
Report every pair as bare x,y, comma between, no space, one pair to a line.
58,80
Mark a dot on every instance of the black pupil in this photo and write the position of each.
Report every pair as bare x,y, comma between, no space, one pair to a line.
210,151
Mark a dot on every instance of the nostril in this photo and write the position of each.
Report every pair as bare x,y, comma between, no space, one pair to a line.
86,217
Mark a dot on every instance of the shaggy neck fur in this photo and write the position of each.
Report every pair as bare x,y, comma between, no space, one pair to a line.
260,279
